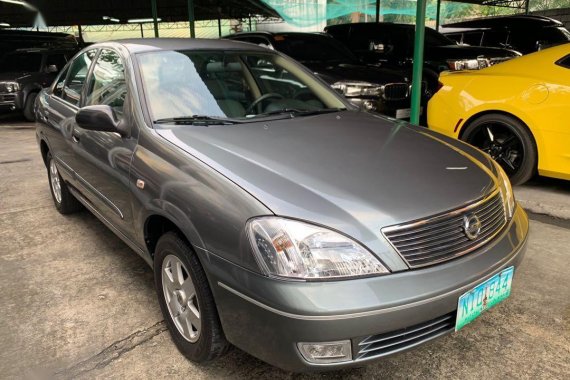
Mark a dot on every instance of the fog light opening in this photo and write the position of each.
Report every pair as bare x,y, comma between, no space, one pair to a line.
326,352
369,105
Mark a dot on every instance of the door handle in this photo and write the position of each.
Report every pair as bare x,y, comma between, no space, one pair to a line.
74,137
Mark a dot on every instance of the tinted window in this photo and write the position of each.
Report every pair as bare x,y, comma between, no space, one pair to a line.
312,48
226,84
58,87
58,60
472,38
433,38
382,39
107,84
77,75
564,62
21,62
495,38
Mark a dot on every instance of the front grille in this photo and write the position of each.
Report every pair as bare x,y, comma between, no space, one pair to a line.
388,343
7,98
443,237
396,91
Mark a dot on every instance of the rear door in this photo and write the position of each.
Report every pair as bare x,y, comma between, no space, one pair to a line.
63,103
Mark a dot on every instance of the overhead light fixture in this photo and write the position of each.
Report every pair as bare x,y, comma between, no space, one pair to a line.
112,19
142,20
20,2
4,25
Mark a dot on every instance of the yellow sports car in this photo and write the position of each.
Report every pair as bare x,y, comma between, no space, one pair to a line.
517,111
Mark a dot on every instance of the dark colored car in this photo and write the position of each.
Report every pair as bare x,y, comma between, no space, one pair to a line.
24,72
12,39
373,88
524,33
306,232
391,44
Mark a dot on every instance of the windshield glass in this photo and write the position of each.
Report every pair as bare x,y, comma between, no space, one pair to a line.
237,85
21,62
307,48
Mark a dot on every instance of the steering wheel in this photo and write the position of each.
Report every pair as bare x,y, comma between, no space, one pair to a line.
262,98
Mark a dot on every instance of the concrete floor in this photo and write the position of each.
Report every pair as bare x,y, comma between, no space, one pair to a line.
76,303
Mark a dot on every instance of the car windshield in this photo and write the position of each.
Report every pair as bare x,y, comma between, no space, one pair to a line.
433,38
21,62
309,48
197,85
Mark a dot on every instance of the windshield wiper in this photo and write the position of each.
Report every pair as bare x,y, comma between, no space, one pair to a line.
197,119
299,112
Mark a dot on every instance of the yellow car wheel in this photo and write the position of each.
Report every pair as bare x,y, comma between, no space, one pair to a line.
508,141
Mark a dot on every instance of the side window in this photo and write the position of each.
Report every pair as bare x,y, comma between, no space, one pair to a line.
58,87
564,62
107,85
56,60
77,75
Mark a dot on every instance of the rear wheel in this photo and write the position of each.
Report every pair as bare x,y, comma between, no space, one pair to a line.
29,107
507,141
64,201
186,300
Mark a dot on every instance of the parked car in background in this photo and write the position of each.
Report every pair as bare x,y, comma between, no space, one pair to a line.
304,231
11,40
518,112
523,33
392,45
373,88
24,72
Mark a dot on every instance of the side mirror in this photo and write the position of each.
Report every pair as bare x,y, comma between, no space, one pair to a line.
99,118
51,69
540,45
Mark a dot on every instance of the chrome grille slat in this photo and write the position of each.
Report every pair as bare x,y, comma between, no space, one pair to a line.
442,237
384,344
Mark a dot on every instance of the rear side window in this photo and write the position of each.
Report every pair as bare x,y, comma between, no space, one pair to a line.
78,71
107,84
58,87
564,62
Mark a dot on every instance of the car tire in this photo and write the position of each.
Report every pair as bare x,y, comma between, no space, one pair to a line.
509,135
64,201
29,113
178,298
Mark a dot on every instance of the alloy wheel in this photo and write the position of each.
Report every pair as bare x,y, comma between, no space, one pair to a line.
181,298
502,143
55,181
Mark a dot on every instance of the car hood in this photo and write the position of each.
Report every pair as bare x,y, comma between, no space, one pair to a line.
467,52
332,73
352,171
12,76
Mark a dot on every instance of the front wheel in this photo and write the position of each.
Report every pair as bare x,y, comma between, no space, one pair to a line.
29,114
186,300
508,141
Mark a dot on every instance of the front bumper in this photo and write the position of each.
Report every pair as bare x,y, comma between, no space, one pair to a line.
11,100
267,317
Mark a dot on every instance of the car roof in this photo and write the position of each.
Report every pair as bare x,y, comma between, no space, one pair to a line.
262,32
138,45
503,21
369,25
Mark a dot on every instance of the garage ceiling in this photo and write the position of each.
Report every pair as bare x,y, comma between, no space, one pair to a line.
73,12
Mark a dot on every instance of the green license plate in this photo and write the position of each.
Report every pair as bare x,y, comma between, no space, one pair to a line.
484,296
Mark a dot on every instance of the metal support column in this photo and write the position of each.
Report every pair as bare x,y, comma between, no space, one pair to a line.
142,32
437,15
418,61
219,27
249,23
526,6
191,18
377,10
154,17
79,33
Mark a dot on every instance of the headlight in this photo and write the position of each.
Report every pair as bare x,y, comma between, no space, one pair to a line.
506,190
11,86
469,64
293,249
357,88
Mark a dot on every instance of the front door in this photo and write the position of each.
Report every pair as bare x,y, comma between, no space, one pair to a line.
103,159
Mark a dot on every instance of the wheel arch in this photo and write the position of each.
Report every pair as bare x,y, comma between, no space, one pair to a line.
44,149
155,226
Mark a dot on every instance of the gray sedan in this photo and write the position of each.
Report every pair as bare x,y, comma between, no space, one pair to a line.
277,217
